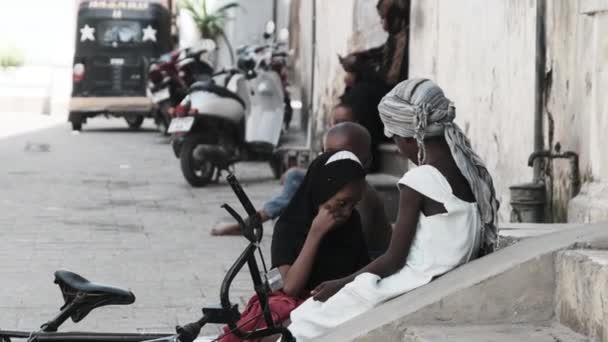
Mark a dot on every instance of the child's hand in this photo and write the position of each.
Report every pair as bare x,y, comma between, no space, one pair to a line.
327,289
324,221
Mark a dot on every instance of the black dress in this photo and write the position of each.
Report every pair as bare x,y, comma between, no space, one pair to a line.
342,250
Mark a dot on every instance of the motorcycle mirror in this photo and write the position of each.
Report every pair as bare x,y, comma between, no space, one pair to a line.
270,27
206,45
284,35
251,74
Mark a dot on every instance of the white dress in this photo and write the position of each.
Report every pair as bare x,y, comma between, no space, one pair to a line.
442,243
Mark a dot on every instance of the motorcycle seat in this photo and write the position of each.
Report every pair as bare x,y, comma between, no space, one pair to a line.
217,90
89,295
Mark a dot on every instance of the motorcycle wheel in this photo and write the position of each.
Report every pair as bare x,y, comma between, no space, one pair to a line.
197,173
276,165
164,120
134,122
288,114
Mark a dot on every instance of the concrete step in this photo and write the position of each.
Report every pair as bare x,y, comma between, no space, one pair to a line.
511,233
582,292
516,285
390,161
386,186
492,333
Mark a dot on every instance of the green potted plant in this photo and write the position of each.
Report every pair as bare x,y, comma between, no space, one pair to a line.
11,57
210,23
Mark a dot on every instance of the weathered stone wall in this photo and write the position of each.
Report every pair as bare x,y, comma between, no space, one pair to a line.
569,87
483,54
577,109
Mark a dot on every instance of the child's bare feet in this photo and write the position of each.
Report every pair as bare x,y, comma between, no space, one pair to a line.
225,230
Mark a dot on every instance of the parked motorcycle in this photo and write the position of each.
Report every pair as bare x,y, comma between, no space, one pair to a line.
236,116
171,76
276,58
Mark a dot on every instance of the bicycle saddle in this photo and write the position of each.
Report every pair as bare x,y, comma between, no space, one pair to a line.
85,296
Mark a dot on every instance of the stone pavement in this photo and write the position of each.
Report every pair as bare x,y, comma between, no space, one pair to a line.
15,123
112,205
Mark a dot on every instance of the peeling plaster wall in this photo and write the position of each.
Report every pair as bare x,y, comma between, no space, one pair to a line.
482,53
578,60
569,93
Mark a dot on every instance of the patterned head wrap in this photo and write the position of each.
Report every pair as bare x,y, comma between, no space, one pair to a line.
418,108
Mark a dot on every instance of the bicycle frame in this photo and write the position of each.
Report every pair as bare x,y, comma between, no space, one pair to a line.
226,313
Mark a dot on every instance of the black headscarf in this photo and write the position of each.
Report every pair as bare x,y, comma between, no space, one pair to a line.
342,251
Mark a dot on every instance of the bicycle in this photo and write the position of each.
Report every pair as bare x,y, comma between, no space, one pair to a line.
82,296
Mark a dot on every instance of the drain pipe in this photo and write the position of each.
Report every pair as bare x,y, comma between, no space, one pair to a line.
528,200
275,13
539,97
311,95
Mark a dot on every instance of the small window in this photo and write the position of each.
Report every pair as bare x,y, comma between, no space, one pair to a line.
119,32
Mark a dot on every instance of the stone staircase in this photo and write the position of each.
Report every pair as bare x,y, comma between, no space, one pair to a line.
392,167
551,287
493,333
582,292
391,163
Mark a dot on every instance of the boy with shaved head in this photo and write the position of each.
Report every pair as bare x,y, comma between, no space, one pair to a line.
343,136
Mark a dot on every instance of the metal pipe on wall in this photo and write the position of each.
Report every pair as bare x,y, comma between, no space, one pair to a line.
539,97
275,12
312,78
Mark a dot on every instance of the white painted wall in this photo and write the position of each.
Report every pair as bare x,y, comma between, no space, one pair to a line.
246,26
44,31
482,53
343,26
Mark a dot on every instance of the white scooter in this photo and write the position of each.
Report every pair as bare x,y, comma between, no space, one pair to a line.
236,116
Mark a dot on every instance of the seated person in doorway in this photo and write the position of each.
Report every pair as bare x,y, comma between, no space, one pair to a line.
363,99
344,136
388,63
447,212
317,238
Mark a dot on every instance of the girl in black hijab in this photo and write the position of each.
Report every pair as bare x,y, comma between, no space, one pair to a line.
317,238
319,235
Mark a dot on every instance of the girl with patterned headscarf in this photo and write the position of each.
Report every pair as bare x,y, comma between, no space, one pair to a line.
447,212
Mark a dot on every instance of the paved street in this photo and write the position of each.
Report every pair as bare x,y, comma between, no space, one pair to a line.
113,206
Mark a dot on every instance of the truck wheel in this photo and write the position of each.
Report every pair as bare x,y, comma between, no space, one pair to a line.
197,173
76,125
76,119
134,122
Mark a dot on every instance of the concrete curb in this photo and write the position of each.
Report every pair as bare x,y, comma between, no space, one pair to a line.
386,322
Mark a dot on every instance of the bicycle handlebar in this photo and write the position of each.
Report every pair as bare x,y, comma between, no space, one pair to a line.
253,229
